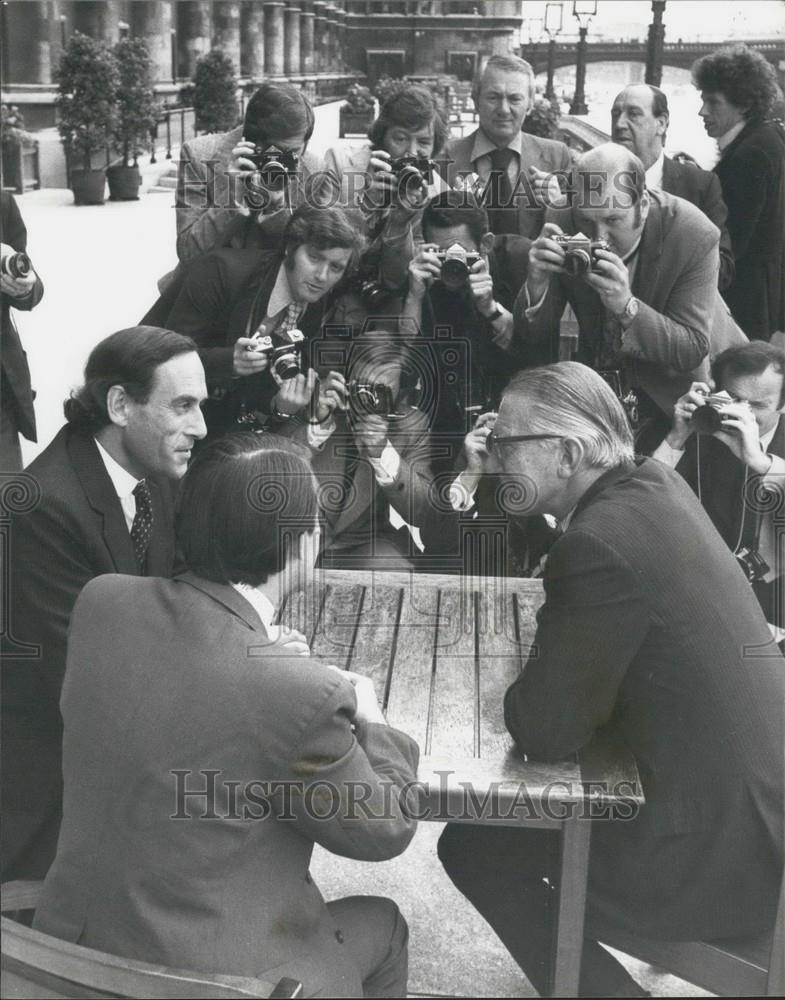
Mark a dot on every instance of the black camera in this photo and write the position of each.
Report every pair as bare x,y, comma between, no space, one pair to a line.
580,253
15,265
412,173
371,398
276,167
456,263
708,418
752,564
284,360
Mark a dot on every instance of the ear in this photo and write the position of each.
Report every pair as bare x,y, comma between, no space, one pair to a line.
571,458
117,401
486,243
662,124
645,206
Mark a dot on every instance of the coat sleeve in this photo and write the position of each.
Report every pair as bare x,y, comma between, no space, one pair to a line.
713,206
202,224
745,191
588,631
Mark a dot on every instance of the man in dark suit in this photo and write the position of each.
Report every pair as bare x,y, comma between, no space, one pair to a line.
18,292
738,89
205,752
648,310
649,631
738,468
105,507
639,121
514,168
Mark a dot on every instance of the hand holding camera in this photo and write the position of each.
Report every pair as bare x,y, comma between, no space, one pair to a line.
546,257
475,447
683,412
740,432
609,277
249,356
332,394
370,433
295,393
424,268
481,287
17,277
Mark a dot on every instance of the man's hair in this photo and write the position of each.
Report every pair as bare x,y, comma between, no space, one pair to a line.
455,208
244,502
129,358
325,229
749,359
742,76
507,64
413,107
572,400
276,111
659,101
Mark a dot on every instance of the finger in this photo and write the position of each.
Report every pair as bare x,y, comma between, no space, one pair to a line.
551,229
310,382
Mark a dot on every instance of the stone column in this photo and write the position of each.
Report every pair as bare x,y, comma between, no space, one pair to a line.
291,64
341,40
29,58
273,37
153,21
331,47
319,34
99,20
226,29
307,61
194,32
252,39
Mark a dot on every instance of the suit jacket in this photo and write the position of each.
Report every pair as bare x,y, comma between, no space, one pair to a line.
752,174
703,189
230,894
545,154
682,322
654,635
76,531
15,370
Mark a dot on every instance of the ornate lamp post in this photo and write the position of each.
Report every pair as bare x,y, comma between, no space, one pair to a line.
655,44
583,11
554,12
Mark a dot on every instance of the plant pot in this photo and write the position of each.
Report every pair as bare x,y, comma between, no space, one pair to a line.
124,183
354,122
88,186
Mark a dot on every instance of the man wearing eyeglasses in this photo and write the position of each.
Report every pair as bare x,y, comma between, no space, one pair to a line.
632,641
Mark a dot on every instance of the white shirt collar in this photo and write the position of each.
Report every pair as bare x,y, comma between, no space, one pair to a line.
654,173
484,147
261,604
727,137
766,439
124,483
281,296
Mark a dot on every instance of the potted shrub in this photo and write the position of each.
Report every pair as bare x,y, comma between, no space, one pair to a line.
543,118
17,146
87,87
356,113
136,116
214,95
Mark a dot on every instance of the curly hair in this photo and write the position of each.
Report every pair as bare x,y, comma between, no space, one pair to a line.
742,75
326,228
413,107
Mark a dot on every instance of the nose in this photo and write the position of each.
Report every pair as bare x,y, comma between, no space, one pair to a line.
411,149
504,106
320,271
198,427
702,112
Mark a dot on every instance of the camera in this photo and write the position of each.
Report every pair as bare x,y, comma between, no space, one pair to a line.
15,265
284,360
456,263
708,418
412,170
275,167
752,564
371,398
580,253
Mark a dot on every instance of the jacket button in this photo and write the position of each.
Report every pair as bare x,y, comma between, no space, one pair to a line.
339,937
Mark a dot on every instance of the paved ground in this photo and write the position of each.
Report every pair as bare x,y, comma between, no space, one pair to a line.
100,265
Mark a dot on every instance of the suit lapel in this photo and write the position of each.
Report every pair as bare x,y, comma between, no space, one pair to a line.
225,595
160,554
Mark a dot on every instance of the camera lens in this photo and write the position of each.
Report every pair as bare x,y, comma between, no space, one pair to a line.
286,366
706,419
577,262
16,265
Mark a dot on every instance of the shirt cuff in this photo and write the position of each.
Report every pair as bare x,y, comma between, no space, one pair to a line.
530,310
461,497
668,455
318,434
386,467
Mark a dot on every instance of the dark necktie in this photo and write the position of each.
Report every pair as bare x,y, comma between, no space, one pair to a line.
142,528
502,212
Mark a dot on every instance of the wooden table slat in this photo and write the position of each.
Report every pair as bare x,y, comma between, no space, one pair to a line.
500,661
334,638
453,727
376,636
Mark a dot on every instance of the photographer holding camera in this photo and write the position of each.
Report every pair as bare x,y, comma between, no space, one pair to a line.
20,288
640,272
730,447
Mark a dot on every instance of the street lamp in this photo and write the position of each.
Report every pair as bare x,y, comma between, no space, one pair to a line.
583,11
554,13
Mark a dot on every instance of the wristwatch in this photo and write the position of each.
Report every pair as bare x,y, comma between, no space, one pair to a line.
276,413
630,311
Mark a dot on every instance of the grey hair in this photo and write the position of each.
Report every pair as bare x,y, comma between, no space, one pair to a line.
572,400
507,63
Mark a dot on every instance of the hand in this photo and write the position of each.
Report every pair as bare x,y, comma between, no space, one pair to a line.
292,643
332,395
546,257
685,406
611,281
474,444
545,186
381,188
247,358
368,709
740,432
481,287
256,195
15,288
295,393
370,434
241,162
424,268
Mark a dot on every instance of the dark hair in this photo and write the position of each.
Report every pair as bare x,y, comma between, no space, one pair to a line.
413,107
129,358
275,111
244,502
456,208
749,359
742,76
325,229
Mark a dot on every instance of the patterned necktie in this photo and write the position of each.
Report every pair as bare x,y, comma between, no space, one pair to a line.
142,528
502,213
290,320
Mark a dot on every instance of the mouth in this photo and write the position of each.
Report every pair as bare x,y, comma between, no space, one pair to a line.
623,140
315,289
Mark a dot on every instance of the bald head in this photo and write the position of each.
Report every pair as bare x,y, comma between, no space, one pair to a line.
639,121
609,196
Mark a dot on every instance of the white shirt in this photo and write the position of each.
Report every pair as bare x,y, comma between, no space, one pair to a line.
281,297
123,482
262,605
727,137
654,173
481,156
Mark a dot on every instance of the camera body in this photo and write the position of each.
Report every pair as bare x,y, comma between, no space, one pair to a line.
285,360
412,170
580,253
15,265
276,167
371,398
456,263
708,418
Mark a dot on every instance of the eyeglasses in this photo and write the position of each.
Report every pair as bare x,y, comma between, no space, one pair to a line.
492,441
